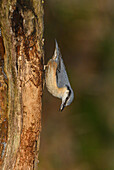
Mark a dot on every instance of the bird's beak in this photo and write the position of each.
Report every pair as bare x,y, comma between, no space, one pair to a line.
62,107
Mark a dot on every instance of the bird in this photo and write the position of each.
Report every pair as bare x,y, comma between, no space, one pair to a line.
56,79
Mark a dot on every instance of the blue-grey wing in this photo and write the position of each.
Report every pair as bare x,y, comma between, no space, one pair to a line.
62,77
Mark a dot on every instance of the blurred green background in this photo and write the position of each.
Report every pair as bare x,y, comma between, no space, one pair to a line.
82,136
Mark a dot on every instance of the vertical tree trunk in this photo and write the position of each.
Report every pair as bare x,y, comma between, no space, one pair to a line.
21,24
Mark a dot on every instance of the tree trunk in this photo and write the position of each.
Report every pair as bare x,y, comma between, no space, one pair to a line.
21,23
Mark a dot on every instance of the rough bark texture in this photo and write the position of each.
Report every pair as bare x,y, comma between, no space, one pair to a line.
22,30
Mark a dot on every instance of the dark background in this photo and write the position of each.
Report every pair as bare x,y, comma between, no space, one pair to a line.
82,136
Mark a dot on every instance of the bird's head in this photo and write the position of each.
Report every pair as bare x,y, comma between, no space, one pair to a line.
67,98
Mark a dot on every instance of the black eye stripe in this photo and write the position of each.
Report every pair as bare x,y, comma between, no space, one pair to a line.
69,90
68,95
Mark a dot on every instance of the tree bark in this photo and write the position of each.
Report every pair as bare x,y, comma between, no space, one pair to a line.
21,24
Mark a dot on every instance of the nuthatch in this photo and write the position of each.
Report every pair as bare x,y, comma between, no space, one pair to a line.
57,81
